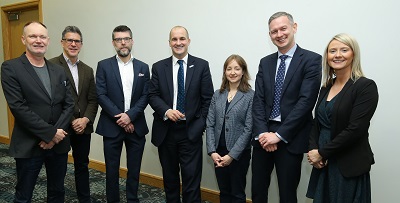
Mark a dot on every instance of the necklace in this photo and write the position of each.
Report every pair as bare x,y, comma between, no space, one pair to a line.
231,95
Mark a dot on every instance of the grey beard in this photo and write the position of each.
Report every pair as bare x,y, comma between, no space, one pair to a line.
121,54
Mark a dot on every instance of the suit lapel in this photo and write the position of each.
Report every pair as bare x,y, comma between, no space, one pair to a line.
30,69
69,74
169,77
222,101
115,70
136,71
271,68
52,76
294,64
235,99
189,71
81,78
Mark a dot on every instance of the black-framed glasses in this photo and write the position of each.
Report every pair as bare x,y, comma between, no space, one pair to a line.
70,41
119,40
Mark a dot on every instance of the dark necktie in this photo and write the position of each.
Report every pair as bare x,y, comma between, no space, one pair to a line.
280,77
180,104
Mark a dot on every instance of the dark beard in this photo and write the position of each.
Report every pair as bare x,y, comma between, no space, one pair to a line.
123,54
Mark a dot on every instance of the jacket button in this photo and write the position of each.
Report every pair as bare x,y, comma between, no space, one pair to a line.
227,130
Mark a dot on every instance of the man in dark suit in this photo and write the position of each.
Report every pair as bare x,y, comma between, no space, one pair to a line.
122,92
38,94
282,111
180,92
83,90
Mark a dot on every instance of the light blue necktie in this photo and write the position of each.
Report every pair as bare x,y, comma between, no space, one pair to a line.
180,105
280,77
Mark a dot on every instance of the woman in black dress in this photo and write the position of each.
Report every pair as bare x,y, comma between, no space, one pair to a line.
339,147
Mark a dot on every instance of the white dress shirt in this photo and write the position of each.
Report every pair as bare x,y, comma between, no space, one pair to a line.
126,72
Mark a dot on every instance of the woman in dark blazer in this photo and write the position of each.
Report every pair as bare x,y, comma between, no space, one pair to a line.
229,124
339,147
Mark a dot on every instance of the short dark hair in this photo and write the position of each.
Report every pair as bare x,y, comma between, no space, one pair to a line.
73,29
121,28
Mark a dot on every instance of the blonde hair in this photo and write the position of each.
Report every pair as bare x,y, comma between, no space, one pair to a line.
356,71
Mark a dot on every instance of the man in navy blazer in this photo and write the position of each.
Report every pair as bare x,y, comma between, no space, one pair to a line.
280,141
38,94
177,132
122,92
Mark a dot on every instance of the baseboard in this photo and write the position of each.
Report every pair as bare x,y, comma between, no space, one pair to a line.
4,139
153,180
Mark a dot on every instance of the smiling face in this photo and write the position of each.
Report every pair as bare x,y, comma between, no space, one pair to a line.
71,50
282,31
234,72
179,42
36,39
340,56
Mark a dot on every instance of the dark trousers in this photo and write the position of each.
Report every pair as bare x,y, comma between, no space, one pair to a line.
28,170
112,152
177,152
80,152
288,171
232,179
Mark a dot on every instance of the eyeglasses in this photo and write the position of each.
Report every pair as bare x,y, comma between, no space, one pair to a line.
70,41
119,40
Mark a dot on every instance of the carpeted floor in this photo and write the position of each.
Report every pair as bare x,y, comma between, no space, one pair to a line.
147,194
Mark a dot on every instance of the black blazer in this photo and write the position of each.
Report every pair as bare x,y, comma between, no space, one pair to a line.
86,100
353,109
299,93
198,93
37,115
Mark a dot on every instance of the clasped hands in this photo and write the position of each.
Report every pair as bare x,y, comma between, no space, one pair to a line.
221,161
269,141
58,137
79,125
315,159
125,122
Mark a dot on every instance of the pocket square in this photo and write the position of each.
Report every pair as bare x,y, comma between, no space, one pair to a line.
191,66
141,74
64,83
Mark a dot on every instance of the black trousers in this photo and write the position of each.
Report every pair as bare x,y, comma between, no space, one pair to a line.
80,152
288,171
232,179
178,152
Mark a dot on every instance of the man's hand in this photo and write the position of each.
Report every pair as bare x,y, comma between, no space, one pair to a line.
59,136
45,145
79,125
174,115
268,141
129,128
123,120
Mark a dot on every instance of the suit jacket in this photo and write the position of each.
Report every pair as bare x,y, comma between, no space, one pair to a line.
299,94
351,114
85,100
238,122
110,96
37,114
198,93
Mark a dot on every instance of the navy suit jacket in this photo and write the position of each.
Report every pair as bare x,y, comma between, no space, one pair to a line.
299,93
110,97
198,93
351,115
37,114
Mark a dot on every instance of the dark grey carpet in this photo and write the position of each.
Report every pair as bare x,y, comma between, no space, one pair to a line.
147,194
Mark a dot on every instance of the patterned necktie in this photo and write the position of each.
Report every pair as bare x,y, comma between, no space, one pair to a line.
280,77
180,105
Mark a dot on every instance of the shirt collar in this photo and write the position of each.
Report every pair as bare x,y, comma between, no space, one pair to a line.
69,61
290,53
175,60
119,59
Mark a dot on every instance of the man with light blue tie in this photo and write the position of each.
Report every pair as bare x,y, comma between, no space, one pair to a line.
180,93
286,90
